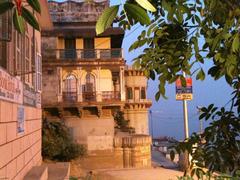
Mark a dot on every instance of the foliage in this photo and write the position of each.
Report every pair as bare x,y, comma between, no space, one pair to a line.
122,123
210,176
21,12
182,35
57,143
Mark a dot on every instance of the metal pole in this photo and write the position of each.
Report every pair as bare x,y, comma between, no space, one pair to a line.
186,157
151,123
185,114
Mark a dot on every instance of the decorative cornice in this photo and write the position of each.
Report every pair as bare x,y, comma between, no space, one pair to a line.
77,10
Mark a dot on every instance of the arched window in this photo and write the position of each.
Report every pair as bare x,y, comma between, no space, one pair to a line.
90,83
70,88
89,88
70,84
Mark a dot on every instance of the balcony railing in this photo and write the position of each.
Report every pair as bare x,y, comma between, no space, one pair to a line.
75,54
110,95
89,96
70,96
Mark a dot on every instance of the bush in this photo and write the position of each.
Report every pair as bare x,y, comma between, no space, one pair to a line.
57,143
122,123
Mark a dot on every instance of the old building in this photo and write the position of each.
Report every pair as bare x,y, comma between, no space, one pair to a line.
20,96
85,77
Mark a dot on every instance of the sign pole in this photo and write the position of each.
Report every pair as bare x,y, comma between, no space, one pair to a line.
186,131
185,114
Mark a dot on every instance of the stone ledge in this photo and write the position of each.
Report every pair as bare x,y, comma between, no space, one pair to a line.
37,173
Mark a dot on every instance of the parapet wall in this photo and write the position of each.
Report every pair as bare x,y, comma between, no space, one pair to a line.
76,11
136,150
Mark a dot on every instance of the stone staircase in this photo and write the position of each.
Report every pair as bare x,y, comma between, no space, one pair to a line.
49,171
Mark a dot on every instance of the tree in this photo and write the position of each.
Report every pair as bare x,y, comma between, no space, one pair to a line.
58,144
122,123
172,33
21,12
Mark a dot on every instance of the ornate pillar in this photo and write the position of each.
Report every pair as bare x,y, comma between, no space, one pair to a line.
79,85
60,83
98,91
122,84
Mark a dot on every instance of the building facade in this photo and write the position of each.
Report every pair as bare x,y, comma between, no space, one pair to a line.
20,97
85,77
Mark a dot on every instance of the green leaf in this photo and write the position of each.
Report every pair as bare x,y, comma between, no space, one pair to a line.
201,75
35,5
146,5
137,13
152,75
18,22
235,44
157,96
29,17
106,19
5,6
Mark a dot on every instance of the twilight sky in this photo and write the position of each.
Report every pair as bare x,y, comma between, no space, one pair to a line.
167,116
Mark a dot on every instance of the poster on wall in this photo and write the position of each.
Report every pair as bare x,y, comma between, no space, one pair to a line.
11,88
20,119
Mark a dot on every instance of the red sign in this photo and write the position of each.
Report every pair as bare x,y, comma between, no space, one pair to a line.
184,93
188,82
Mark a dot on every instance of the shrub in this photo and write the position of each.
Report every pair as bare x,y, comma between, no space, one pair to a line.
57,143
122,123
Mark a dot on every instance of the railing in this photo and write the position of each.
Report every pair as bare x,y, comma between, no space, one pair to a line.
89,96
70,96
74,54
110,95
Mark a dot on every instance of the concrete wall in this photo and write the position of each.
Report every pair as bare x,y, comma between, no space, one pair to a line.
50,86
138,120
136,81
96,133
19,151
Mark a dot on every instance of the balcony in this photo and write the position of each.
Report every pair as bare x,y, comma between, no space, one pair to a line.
89,96
70,96
82,54
110,95
103,96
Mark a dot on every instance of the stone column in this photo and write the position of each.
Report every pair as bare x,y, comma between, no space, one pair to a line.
60,84
122,84
79,85
98,91
126,157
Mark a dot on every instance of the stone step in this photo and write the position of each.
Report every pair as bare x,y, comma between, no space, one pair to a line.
49,171
58,171
37,173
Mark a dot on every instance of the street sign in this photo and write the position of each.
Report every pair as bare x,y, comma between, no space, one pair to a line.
184,93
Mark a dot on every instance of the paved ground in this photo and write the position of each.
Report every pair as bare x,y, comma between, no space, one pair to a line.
140,174
159,158
164,169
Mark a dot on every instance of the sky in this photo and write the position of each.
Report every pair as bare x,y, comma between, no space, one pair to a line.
167,115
